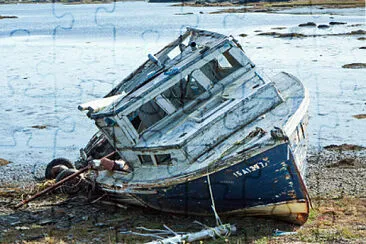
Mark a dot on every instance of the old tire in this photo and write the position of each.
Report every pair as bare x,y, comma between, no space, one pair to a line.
73,185
49,175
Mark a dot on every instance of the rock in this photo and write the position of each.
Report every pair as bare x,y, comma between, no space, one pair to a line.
308,24
354,66
33,238
358,32
243,35
343,163
63,226
361,227
337,23
4,162
323,26
344,147
282,35
188,13
22,228
359,116
46,222
278,28
39,126
355,25
361,38
291,35
8,17
362,48
100,224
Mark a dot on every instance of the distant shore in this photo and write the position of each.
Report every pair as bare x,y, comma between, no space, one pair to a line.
258,6
68,2
272,6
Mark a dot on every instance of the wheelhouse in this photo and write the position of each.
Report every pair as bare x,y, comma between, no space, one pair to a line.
186,79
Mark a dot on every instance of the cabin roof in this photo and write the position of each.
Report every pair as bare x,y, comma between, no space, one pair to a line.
207,43
175,132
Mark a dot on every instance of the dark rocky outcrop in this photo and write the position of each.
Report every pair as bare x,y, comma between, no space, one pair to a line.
323,26
308,24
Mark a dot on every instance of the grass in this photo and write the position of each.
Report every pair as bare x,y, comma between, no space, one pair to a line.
331,220
335,220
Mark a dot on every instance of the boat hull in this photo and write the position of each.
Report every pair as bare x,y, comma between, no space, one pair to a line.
266,184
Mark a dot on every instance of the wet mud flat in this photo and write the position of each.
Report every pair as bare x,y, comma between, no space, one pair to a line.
335,181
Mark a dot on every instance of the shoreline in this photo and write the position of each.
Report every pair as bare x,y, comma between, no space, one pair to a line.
335,184
273,7
69,3
254,6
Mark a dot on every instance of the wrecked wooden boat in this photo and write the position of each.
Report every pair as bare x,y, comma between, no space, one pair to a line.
197,128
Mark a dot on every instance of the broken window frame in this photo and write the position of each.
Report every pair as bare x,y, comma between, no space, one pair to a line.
202,81
155,161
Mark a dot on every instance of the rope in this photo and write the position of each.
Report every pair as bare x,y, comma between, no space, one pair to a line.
217,217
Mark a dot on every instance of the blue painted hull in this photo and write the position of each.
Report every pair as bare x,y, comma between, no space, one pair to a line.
268,178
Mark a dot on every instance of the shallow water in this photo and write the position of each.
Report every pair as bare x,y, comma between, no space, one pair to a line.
54,57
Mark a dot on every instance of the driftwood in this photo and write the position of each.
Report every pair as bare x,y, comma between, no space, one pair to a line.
218,231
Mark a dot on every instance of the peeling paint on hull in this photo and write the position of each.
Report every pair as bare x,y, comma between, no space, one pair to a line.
276,189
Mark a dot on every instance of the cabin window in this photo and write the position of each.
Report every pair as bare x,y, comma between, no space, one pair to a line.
220,67
146,116
158,159
135,120
146,159
186,90
163,159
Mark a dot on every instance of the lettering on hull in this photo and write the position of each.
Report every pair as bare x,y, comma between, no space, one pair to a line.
250,169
